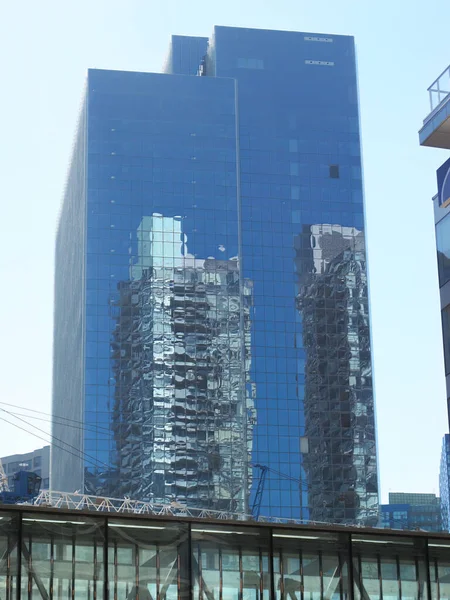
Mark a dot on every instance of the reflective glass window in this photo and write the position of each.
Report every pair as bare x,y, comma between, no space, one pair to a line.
334,171
294,169
250,63
310,565
62,557
439,557
446,336
8,556
147,560
389,568
443,249
230,562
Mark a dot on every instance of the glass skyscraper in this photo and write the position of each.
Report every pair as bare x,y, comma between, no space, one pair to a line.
212,335
444,482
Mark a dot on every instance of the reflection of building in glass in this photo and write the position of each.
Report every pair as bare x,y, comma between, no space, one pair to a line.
179,373
340,456
234,150
444,482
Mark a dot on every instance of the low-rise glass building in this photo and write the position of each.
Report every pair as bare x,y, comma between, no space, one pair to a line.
412,511
49,553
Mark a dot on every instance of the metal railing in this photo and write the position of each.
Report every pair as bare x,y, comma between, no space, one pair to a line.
439,91
75,501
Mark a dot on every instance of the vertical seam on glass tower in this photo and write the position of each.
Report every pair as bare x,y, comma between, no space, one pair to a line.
369,295
246,492
83,281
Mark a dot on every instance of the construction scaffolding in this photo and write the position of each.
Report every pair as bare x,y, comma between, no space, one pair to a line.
75,501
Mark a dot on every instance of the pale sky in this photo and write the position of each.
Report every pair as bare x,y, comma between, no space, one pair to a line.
46,48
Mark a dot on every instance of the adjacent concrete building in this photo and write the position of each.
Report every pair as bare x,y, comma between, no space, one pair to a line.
37,461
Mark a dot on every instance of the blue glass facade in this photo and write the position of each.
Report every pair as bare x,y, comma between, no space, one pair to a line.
412,511
224,306
444,482
186,55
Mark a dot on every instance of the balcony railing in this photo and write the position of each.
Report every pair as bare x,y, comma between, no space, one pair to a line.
439,91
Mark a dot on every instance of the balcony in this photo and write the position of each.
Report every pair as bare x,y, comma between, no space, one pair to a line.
436,126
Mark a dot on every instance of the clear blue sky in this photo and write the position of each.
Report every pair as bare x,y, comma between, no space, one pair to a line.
46,48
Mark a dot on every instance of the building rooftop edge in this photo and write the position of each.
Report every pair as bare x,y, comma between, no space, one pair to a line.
289,31
333,528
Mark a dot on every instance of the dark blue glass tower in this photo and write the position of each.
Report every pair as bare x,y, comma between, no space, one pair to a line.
212,321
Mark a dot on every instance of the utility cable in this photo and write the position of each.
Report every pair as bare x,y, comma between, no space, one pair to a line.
69,424
50,415
45,440
57,439
51,419
88,458
95,465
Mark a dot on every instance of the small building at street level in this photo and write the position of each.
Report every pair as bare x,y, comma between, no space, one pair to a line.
37,461
50,554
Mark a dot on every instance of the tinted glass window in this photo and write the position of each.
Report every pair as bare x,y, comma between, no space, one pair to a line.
334,171
446,336
443,249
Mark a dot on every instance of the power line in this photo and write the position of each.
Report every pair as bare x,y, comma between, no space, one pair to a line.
45,440
85,428
90,460
57,439
52,416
